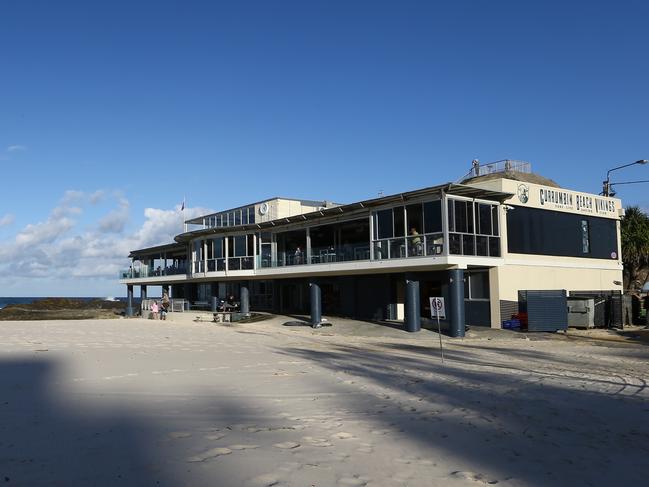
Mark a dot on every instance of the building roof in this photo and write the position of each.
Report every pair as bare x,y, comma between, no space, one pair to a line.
448,188
170,249
199,219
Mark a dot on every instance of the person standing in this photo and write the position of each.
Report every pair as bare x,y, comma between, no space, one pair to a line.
164,309
154,310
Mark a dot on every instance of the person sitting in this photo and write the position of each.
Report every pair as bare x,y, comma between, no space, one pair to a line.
415,242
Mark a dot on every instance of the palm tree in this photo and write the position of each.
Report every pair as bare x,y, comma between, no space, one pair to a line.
635,245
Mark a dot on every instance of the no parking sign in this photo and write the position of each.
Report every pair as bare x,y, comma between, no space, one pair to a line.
437,308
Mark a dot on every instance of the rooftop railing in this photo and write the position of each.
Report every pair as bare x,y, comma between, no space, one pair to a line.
506,165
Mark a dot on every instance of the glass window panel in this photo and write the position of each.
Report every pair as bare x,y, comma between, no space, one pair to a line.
468,245
451,215
494,246
230,246
482,245
230,218
469,217
398,221
218,247
484,219
461,224
210,249
251,244
384,223
240,245
415,219
237,217
479,285
251,214
219,220
244,217
455,243
433,216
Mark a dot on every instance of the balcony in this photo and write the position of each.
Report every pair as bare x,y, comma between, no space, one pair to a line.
146,272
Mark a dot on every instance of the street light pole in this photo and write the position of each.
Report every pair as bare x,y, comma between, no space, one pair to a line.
606,190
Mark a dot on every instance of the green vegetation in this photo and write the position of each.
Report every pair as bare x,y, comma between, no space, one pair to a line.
635,247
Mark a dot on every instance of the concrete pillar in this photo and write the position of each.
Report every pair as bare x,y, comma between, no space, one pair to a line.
412,305
456,302
143,292
244,296
215,296
129,300
316,304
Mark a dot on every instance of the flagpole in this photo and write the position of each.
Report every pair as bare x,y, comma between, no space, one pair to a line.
182,212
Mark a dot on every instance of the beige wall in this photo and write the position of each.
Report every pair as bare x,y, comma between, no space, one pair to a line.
281,208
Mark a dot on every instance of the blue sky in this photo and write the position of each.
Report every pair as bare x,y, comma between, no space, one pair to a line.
108,109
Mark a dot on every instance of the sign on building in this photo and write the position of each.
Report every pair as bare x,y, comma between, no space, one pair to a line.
437,308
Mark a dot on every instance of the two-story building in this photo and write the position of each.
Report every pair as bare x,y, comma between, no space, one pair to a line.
476,243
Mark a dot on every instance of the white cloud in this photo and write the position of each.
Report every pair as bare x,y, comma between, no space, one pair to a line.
58,249
16,148
7,219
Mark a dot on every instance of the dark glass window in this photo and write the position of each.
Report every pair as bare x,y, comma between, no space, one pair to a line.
483,218
237,217
468,245
398,221
251,215
433,216
545,232
415,218
240,246
463,216
384,223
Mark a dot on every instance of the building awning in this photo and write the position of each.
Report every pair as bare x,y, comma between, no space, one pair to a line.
171,250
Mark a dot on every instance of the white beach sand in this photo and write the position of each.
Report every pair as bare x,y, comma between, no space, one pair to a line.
137,402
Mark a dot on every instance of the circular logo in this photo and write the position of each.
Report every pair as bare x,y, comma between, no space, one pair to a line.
613,255
263,208
437,304
523,193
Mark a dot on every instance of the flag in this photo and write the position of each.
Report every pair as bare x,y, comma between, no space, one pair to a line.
182,206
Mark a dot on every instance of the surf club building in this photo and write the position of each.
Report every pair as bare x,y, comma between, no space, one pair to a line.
479,244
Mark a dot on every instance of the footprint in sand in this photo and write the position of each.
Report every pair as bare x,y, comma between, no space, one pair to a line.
242,447
213,453
355,480
365,449
286,445
265,480
215,436
179,434
321,442
476,477
342,435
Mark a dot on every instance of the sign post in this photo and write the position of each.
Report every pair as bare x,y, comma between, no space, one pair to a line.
438,310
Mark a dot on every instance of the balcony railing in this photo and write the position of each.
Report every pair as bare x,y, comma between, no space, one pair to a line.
144,272
427,245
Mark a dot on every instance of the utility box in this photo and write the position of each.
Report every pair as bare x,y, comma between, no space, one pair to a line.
581,313
546,310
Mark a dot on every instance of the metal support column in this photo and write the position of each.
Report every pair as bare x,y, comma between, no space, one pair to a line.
244,296
316,304
412,305
143,292
456,298
129,300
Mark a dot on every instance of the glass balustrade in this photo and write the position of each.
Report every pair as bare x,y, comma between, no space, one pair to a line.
427,245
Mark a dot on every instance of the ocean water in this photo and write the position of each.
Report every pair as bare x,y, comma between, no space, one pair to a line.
27,300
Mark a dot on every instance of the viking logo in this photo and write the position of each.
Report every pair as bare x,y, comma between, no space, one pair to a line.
523,193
